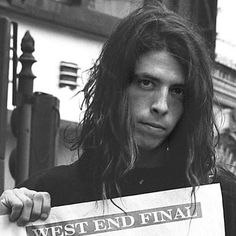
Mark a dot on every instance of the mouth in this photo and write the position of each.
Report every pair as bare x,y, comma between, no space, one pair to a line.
154,126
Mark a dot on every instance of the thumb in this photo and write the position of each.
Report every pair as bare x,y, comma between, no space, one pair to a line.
4,209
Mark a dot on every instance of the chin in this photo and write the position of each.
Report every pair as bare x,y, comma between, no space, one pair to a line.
149,145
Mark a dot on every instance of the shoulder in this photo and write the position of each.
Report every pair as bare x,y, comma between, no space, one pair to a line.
228,188
227,181
52,177
66,184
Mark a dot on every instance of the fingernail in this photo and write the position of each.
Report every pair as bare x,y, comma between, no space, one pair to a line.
44,216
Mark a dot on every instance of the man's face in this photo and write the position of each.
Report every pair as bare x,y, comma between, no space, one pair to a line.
156,98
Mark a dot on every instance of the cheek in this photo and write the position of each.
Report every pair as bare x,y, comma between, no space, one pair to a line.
137,103
177,111
135,108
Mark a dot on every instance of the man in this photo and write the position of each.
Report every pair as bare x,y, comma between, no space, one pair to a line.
148,125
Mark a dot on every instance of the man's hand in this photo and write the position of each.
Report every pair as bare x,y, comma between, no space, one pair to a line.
24,205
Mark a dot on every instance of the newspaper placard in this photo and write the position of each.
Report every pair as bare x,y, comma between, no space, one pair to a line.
172,212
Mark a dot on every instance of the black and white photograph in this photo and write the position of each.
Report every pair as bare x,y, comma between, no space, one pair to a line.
117,117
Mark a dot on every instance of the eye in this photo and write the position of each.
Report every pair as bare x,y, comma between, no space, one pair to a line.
145,83
178,91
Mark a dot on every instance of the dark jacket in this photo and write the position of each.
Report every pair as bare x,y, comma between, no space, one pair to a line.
73,184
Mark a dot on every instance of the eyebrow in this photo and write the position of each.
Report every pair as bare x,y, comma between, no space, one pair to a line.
151,77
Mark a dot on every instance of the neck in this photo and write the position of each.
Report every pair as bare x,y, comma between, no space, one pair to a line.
152,158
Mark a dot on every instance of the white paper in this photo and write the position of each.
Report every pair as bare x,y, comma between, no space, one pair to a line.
172,212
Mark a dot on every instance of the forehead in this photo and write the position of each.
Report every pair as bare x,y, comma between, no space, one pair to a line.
160,65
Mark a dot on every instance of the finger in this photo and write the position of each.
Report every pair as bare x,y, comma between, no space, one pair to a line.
37,206
8,199
41,204
29,193
46,206
4,209
13,203
24,217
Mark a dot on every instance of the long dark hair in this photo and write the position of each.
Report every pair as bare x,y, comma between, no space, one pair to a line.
106,136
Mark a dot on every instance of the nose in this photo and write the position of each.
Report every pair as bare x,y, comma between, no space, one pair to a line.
160,102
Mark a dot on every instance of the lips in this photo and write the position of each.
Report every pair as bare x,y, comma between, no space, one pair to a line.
152,127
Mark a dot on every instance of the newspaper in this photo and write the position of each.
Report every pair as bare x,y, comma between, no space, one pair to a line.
172,212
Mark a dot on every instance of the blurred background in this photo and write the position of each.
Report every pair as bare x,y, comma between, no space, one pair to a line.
46,49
